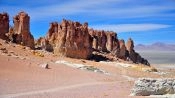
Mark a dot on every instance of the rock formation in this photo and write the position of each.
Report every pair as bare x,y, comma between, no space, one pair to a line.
4,25
21,34
98,40
70,39
149,86
123,52
43,43
104,41
107,41
134,56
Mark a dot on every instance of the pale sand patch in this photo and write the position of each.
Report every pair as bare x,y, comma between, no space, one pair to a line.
82,66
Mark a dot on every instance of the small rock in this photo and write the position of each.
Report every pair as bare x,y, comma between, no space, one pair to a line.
5,41
27,48
83,61
4,50
22,58
9,55
45,66
11,51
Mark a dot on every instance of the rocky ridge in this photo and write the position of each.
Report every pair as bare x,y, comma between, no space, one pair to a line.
70,39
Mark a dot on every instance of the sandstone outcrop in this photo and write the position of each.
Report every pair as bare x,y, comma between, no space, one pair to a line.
20,33
123,51
104,41
98,40
4,25
134,56
70,39
107,41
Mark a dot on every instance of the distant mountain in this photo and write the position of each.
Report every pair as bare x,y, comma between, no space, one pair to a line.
156,46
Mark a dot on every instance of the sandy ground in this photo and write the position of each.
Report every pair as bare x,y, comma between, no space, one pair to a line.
22,77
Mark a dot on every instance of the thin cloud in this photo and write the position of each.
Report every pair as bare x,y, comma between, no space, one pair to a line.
131,27
103,8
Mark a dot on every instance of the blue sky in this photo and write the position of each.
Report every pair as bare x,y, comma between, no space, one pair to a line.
146,21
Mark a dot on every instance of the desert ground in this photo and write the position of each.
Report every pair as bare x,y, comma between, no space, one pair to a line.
160,59
22,76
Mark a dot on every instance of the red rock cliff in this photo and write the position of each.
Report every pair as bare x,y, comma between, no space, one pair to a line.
4,25
21,34
70,39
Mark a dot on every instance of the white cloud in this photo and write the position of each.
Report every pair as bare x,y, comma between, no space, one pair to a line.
68,8
100,8
130,27
94,8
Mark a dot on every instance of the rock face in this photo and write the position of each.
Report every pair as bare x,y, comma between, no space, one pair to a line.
43,43
134,56
70,39
98,40
106,41
4,25
75,40
148,86
21,30
123,52
20,33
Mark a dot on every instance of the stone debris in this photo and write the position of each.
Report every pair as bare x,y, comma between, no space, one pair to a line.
3,50
37,53
149,86
82,67
93,69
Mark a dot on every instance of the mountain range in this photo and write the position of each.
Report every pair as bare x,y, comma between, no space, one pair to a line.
156,46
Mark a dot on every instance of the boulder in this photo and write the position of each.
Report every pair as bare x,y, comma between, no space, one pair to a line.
4,25
149,86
